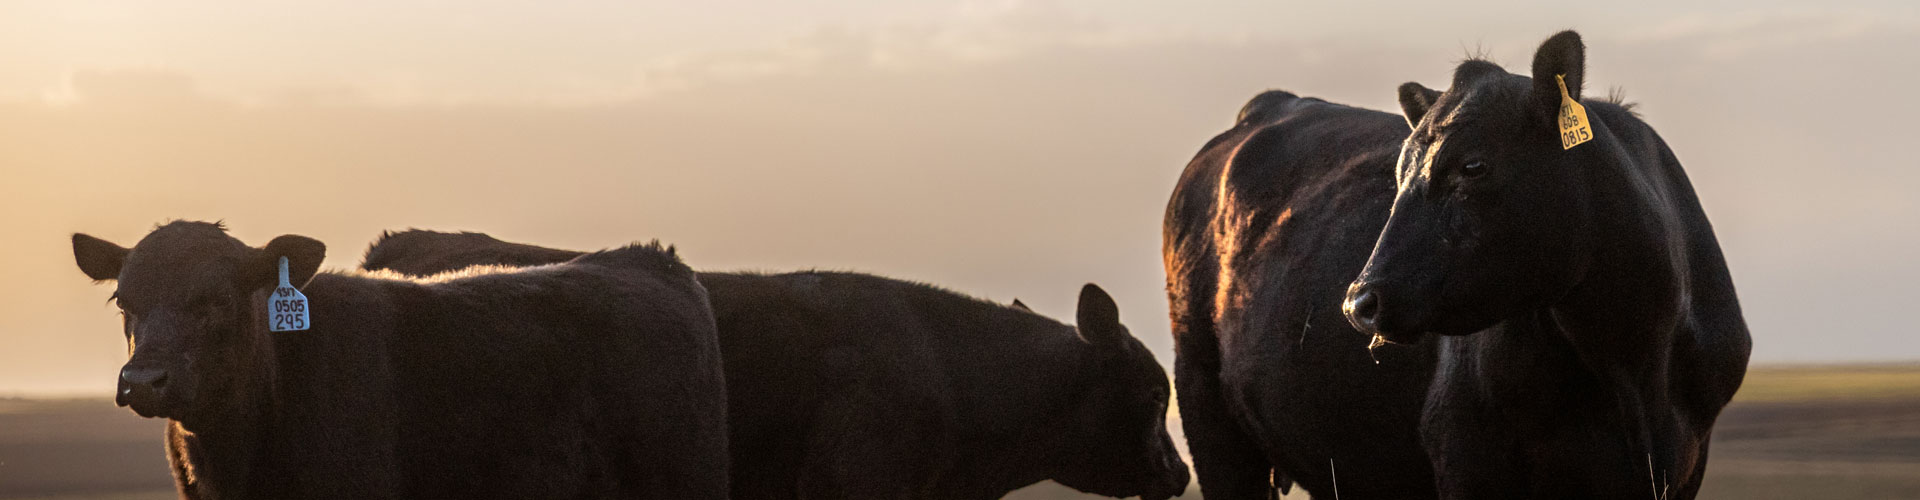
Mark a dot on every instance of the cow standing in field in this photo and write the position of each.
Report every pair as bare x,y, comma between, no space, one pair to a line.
1270,222
595,378
1602,335
1590,333
847,385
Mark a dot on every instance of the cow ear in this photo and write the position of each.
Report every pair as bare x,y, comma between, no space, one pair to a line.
99,259
1562,56
303,260
1017,304
1415,100
1099,318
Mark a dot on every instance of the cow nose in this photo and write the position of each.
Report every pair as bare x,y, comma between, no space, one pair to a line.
1362,308
152,379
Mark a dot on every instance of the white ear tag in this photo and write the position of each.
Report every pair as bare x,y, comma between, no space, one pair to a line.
287,307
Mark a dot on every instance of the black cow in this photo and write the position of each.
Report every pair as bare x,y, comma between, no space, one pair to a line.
596,378
1593,331
847,385
1269,223
1606,335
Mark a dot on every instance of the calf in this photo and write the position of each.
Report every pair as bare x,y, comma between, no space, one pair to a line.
598,377
846,385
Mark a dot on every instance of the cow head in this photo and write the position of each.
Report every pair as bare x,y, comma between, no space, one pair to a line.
1118,435
1491,212
187,295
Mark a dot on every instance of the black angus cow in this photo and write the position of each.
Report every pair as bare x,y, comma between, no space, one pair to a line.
1602,335
1269,223
596,378
847,385
1593,331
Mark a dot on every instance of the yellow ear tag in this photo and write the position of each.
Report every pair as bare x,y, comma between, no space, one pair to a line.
1574,128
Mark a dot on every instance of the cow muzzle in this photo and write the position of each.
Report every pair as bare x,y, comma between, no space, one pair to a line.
142,389
1366,309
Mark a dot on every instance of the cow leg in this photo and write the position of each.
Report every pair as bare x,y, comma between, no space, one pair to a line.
869,446
1229,463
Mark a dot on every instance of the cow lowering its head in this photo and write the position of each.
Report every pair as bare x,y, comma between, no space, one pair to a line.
183,293
1493,215
1119,431
1092,417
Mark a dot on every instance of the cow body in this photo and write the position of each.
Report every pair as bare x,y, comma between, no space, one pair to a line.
847,385
1267,226
595,378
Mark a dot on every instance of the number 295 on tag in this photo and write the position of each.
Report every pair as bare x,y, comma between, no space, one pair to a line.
287,310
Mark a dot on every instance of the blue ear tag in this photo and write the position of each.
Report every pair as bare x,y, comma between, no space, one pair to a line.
287,307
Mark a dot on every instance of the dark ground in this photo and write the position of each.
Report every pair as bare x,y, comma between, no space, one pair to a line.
1849,432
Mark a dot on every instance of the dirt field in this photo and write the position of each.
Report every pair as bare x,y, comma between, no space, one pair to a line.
1835,432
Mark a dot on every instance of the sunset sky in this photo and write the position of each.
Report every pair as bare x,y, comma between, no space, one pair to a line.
1004,149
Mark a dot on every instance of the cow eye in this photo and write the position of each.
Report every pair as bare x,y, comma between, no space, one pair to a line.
1473,169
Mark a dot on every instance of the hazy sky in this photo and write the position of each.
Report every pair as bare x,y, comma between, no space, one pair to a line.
1005,149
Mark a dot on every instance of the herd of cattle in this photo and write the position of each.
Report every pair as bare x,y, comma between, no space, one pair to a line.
1586,335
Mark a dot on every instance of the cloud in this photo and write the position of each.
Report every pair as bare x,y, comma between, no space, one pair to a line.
973,33
973,152
1738,34
127,86
969,33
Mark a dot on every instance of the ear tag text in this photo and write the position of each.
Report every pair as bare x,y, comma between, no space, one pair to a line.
1574,128
287,307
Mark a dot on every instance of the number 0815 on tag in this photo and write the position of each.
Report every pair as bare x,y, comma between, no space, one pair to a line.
286,307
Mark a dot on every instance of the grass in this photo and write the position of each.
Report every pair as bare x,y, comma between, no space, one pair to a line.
1830,383
1830,432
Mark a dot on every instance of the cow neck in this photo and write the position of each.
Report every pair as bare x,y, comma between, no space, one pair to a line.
223,447
295,392
1621,316
995,469
1040,450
